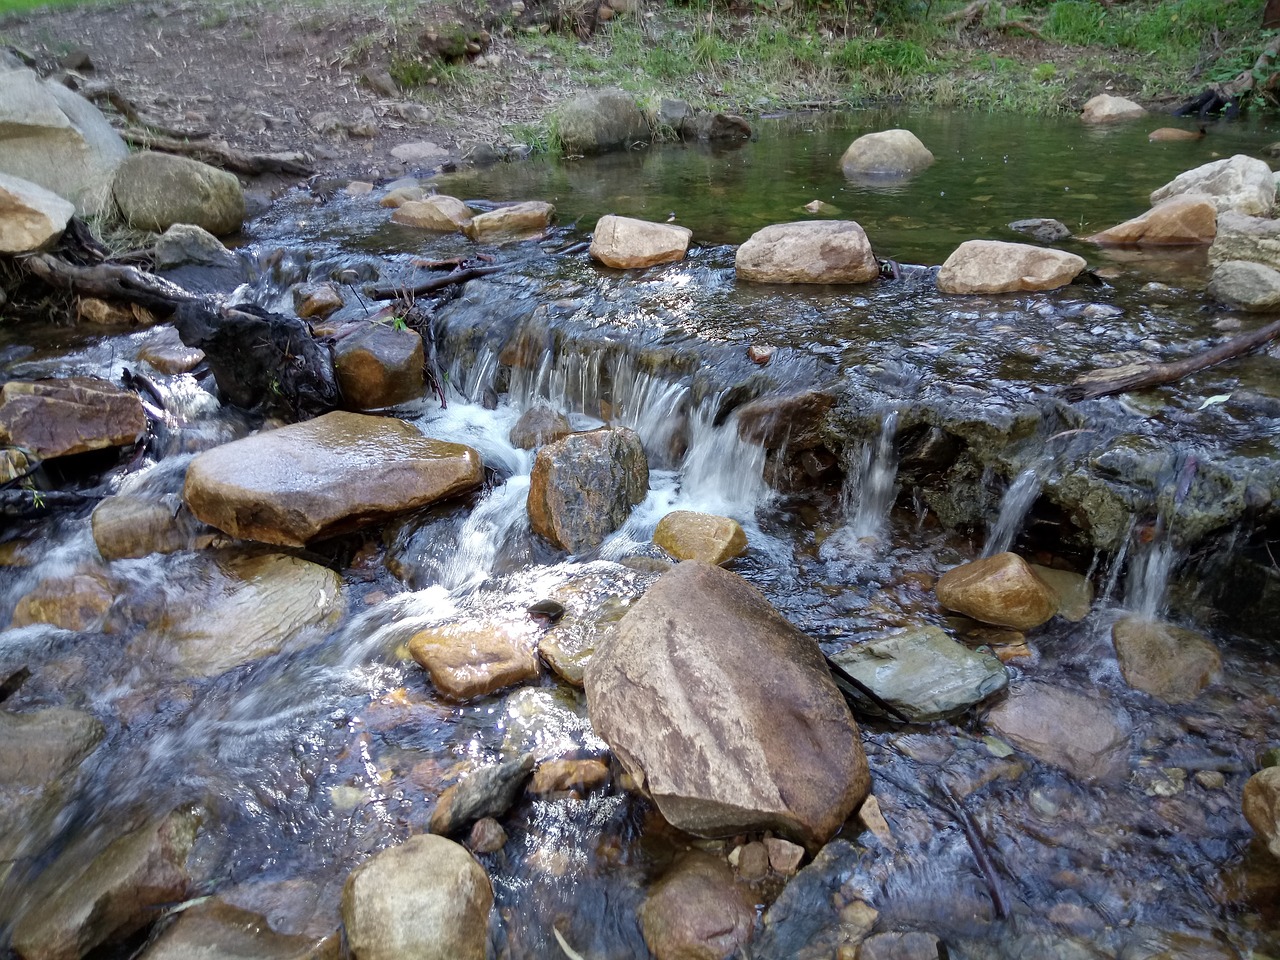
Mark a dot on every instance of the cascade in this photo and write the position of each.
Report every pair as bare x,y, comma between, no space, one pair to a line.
1014,507
871,488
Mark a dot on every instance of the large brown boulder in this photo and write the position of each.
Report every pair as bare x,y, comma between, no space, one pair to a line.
1241,184
1068,730
426,899
31,217
995,266
626,243
888,153
1003,590
156,190
584,486
700,536
472,659
725,713
697,911
1262,807
1181,220
1165,661
57,418
314,479
808,251
379,366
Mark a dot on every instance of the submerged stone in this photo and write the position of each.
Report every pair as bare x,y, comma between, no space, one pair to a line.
78,602
697,909
1064,729
468,660
1075,592
216,930
1165,661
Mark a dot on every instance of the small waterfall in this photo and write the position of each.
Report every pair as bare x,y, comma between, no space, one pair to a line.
871,488
482,535
1014,507
1147,586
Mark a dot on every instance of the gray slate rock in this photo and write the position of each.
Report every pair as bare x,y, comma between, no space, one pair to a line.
194,258
1251,286
488,792
1041,229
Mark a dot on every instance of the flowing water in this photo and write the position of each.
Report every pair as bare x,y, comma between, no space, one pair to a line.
309,759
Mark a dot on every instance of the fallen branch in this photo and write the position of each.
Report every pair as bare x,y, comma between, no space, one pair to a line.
392,291
219,154
109,281
999,901
1137,376
1228,96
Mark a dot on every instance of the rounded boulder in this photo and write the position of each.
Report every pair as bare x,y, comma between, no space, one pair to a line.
155,190
889,153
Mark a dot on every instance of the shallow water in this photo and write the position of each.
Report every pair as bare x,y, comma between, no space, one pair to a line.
310,759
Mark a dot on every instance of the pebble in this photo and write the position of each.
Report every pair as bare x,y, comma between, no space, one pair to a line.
1211,779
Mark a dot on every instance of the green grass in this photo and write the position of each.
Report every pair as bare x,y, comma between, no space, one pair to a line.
23,6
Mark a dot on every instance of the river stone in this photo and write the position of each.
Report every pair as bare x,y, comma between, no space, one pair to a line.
1075,593
924,673
79,903
890,153
426,899
468,660
1180,220
194,258
700,536
1042,229
626,243
57,418
994,266
488,791
795,421
311,480
1262,807
440,213
156,190
1250,286
57,139
408,193
584,486
1002,590
725,713
1242,184
1168,662
715,126
812,917
599,121
1068,730
520,221
487,836
784,856
37,749
558,776
165,352
31,217
807,251
316,300
900,945
379,366
1242,237
79,602
127,526
538,425
217,930
592,605
697,911
1104,108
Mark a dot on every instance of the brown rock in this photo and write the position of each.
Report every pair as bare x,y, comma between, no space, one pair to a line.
808,251
379,366
795,421
539,425
166,353
752,861
1105,108
1064,729
57,418
440,213
725,713
126,527
31,217
312,480
80,602
994,266
216,930
625,243
487,836
784,856
316,300
468,660
402,195
1171,134
697,912
1002,590
519,221
556,776
912,945
1261,804
1180,220
1165,661
1075,593
700,536
38,748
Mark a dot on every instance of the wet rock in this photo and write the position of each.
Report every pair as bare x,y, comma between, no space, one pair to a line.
900,946
440,213
715,127
165,352
751,860
700,536
784,856
539,425
426,899
82,901
1165,661
194,258
379,366
127,526
1262,807
468,660
1075,593
809,917
487,836
1002,590
1044,230
58,140
156,190
725,713
1064,729
1240,183
407,194
1242,237
1250,286
31,217
487,792
311,480
57,418
252,607
216,930
584,486
924,673
79,602
889,153
557,776
15,464
808,251
37,749
1105,108
316,300
993,266
1180,220
697,910
104,313
519,221
625,243
599,121
590,614
796,420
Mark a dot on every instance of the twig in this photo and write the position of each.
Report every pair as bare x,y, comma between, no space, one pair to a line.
392,291
994,886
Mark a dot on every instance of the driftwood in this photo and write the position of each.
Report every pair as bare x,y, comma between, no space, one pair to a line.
405,290
1137,376
219,154
109,281
1228,97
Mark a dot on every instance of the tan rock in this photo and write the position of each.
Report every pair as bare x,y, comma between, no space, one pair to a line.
1065,729
752,861
1241,184
887,153
697,909
402,195
217,930
539,425
808,251
1174,134
1002,590
1075,594
57,418
625,243
166,353
994,266
784,856
1261,804
1165,661
379,366
1179,221
104,313
311,480
556,776
80,602
700,536
440,213
519,221
38,748
472,659
127,527
1105,108
31,217
316,300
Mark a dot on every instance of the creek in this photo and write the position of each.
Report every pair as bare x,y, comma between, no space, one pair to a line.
946,430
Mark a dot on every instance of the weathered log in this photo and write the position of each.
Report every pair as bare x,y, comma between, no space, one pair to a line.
220,154
1137,376
406,290
109,281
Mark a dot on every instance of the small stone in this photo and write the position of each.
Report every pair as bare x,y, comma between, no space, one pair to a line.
759,354
487,836
1105,108
316,300
872,819
518,221
1002,590
557,776
488,792
857,918
358,188
784,856
753,862
539,425
469,660
1210,779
